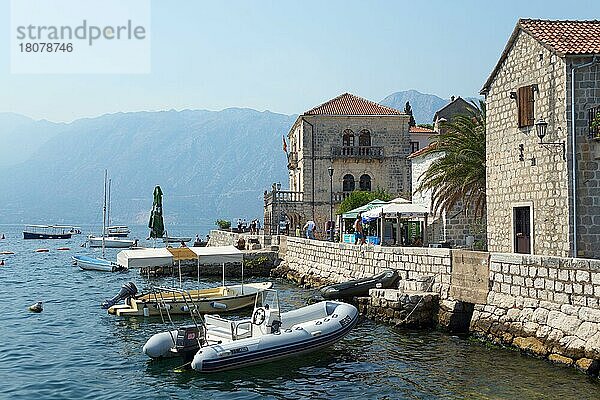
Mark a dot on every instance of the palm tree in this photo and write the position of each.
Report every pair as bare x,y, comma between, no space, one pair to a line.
459,175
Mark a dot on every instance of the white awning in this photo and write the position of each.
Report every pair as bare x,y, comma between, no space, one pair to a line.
397,210
145,258
218,254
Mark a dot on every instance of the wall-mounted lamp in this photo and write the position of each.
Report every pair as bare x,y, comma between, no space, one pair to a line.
521,151
535,88
513,95
541,127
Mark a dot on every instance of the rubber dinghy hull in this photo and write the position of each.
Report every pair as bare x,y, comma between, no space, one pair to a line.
360,287
301,338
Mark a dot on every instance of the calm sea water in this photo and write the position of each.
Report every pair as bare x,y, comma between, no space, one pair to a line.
74,349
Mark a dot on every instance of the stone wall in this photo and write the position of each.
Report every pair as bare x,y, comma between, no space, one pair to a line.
340,262
547,306
540,179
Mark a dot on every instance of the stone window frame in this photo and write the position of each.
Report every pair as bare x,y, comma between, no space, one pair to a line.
348,138
364,136
526,105
414,148
370,181
344,180
531,225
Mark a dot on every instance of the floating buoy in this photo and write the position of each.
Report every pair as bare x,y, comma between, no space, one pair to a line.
2,237
6,252
42,250
63,248
37,307
1,262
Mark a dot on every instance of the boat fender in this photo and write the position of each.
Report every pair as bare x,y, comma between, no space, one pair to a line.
220,306
146,311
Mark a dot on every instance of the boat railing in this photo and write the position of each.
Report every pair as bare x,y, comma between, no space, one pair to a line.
192,309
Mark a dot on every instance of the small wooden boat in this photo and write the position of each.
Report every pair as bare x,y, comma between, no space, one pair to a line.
41,250
218,344
96,264
7,252
110,242
202,301
360,287
63,248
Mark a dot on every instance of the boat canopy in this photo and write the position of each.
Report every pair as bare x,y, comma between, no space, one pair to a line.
218,254
145,258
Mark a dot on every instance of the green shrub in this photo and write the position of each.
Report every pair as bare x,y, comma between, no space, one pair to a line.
223,224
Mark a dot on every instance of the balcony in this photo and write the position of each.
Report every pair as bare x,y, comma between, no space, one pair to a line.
283,196
338,197
361,152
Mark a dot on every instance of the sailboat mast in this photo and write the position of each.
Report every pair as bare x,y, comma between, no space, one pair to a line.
108,211
104,213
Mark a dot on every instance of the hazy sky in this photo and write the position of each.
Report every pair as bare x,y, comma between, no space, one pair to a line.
288,56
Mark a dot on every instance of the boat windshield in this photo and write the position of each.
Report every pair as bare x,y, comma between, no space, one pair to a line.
268,299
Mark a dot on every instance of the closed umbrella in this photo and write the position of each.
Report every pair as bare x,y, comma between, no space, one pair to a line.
156,224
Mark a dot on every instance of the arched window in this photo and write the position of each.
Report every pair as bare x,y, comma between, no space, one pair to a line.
365,183
364,139
348,184
348,138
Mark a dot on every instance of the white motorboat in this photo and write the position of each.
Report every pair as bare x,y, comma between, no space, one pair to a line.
120,231
96,264
110,242
217,344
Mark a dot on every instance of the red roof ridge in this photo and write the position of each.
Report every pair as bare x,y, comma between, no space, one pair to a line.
350,104
420,129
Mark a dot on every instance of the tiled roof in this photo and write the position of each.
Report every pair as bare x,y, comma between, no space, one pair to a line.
420,129
561,37
424,150
349,104
565,37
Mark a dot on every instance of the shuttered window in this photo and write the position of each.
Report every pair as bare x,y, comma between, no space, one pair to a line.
526,102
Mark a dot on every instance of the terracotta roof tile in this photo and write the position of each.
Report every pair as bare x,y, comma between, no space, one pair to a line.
565,37
420,129
349,104
562,37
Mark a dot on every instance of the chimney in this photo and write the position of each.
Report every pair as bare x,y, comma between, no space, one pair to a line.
452,99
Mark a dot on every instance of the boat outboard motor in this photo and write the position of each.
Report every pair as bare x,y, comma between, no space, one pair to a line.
189,339
127,290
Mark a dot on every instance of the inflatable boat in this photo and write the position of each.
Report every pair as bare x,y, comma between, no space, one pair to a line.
360,287
219,344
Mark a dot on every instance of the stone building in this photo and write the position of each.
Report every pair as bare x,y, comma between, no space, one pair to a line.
365,143
541,199
456,106
420,137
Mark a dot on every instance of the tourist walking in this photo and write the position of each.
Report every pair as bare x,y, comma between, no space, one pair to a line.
310,227
358,230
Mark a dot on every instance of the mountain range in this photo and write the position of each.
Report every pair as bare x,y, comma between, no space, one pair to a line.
210,164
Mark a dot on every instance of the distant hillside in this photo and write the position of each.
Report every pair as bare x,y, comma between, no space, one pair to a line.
20,137
209,164
423,105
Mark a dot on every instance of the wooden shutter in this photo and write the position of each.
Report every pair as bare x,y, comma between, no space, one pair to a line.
526,106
